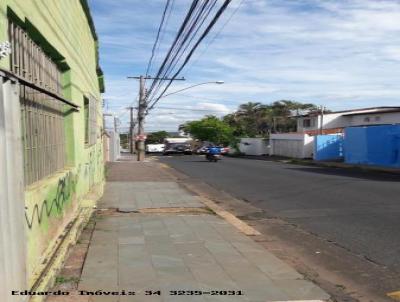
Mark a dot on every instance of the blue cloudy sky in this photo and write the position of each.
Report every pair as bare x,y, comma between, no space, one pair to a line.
341,54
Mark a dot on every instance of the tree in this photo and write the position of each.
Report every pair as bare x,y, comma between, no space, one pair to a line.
124,140
249,120
156,137
210,128
254,119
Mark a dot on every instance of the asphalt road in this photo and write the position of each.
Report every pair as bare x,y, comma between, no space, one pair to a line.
358,210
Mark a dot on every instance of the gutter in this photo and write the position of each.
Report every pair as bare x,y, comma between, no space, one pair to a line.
55,253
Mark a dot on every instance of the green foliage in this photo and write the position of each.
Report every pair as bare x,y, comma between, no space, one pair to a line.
259,120
252,119
210,128
124,139
156,137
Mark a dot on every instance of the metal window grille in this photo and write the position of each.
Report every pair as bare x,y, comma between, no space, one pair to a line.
42,116
90,112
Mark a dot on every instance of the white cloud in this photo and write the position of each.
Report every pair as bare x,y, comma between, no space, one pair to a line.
339,53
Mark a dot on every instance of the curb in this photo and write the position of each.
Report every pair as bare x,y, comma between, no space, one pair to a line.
361,168
343,166
229,217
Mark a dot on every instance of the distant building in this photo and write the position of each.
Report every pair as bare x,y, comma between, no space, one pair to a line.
301,143
335,122
51,150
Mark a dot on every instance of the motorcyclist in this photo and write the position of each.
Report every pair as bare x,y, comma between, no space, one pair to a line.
213,150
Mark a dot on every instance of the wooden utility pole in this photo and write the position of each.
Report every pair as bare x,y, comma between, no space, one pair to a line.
321,131
142,109
131,131
141,114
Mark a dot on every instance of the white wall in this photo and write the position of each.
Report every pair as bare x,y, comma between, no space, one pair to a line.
374,119
330,121
114,145
341,120
254,146
296,145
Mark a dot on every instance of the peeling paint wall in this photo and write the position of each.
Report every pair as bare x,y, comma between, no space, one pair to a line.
53,202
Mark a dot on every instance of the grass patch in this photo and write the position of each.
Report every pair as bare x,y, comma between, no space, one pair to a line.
63,280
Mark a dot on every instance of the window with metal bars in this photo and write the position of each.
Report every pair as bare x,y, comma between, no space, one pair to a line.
90,118
42,117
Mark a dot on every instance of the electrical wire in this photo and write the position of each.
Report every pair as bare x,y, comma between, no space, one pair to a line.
172,47
187,37
191,52
215,37
205,12
157,37
164,31
216,17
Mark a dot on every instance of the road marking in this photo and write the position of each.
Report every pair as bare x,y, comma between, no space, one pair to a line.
394,295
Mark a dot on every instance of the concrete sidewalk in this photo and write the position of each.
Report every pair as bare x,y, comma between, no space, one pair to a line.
156,239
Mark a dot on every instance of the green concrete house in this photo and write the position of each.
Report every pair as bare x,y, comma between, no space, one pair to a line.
51,156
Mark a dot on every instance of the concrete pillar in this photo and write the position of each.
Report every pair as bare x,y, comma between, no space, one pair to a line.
12,205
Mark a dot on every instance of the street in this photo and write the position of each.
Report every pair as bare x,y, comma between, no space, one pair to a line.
356,210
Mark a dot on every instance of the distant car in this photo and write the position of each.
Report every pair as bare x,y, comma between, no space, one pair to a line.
201,150
177,148
155,148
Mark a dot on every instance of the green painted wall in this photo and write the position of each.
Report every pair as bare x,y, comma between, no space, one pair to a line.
55,201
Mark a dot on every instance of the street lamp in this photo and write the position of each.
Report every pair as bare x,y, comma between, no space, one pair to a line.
143,110
177,91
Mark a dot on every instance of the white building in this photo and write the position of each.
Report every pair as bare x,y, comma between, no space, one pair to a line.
335,122
301,143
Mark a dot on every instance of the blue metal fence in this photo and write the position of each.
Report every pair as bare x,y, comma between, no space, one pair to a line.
328,147
373,145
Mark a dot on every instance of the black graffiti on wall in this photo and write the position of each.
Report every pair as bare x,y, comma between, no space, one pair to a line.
65,189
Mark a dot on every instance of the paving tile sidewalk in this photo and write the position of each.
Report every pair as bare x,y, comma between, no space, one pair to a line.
198,255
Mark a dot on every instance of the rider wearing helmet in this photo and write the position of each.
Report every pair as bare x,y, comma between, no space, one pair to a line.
213,150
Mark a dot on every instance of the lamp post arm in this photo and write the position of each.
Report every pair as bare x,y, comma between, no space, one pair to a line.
186,88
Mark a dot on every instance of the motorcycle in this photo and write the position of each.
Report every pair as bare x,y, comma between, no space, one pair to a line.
213,157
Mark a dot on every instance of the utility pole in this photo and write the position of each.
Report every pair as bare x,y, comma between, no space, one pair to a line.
131,128
142,108
141,113
115,124
322,120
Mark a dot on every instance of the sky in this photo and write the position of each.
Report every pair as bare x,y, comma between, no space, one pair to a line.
341,54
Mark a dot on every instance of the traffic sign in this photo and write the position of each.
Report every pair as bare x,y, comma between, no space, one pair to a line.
141,137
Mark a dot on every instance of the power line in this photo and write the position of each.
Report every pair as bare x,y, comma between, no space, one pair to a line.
172,47
200,17
157,37
215,36
205,33
165,27
188,36
200,14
